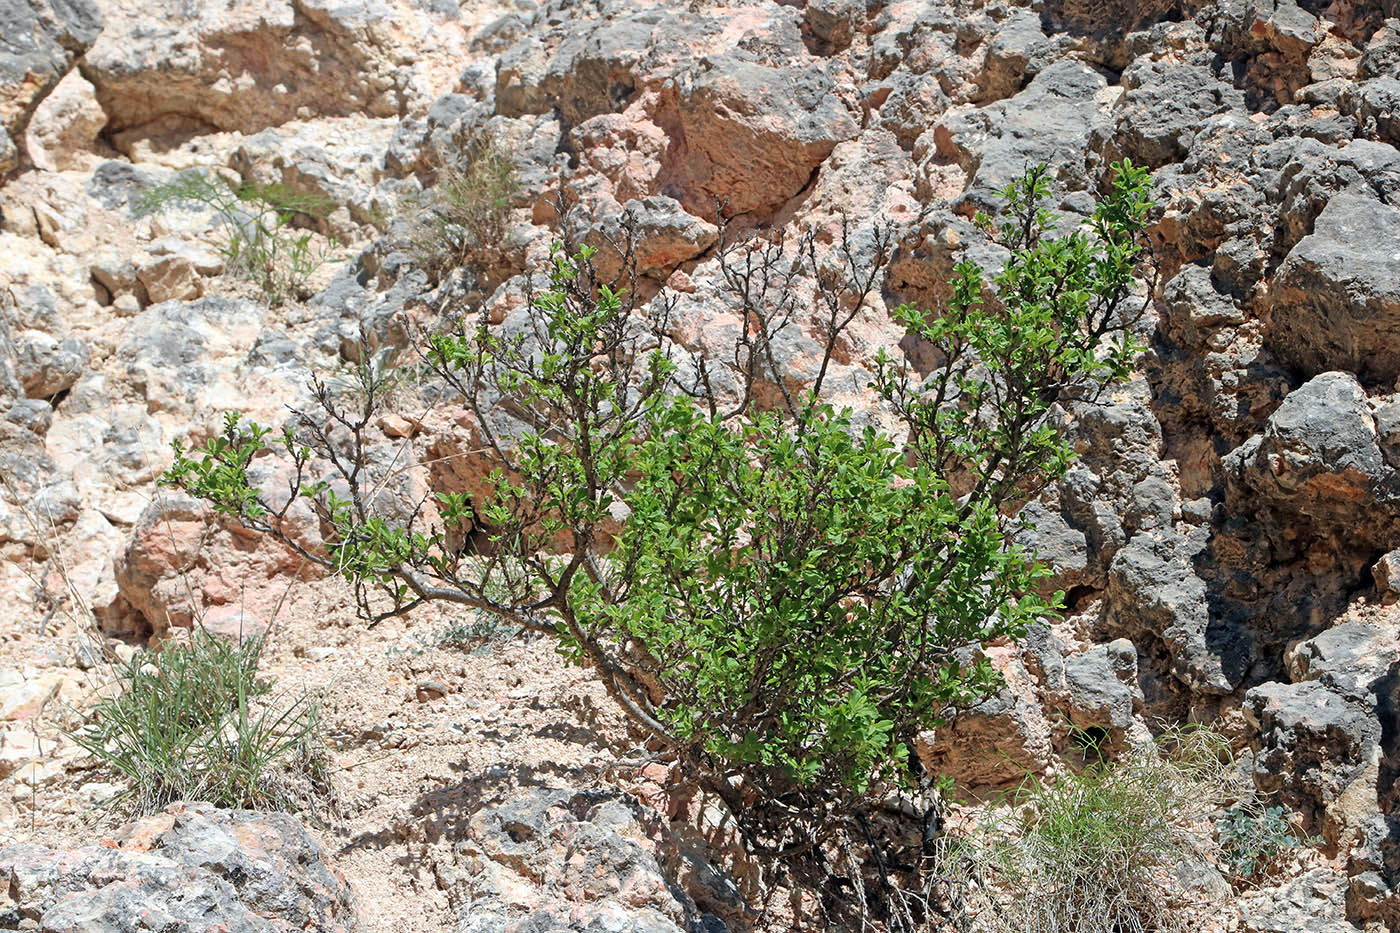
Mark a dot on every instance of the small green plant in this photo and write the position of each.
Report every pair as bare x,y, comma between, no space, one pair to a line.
1253,838
260,239
466,211
194,722
779,593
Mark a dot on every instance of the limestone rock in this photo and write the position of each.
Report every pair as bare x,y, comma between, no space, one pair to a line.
191,867
46,365
578,860
996,743
1376,104
1312,744
1107,16
42,41
248,67
1165,104
1314,903
1103,687
1155,593
1336,298
1318,460
664,235
1051,121
179,354
180,564
65,127
737,137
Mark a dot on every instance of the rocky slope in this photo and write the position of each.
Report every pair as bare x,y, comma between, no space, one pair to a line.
1228,536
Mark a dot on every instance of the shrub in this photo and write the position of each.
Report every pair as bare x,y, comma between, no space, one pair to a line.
778,596
466,211
194,722
260,240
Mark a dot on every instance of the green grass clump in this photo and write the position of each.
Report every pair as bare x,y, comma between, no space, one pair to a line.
260,239
1094,852
194,722
466,212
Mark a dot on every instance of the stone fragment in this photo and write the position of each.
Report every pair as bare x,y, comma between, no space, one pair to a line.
833,23
177,353
553,859
1015,53
32,413
47,365
1386,573
1352,658
232,623
429,690
1376,105
66,125
169,278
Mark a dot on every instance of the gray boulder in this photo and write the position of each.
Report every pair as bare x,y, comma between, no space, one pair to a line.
1311,174
1316,463
48,365
1382,55
175,350
833,23
1018,51
1336,299
1352,658
580,860
1376,105
1155,595
1103,687
1060,547
1163,107
1311,743
192,867
42,40
1051,121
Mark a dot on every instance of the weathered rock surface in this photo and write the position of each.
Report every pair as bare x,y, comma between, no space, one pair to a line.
1314,903
1317,461
42,41
193,867
1336,298
574,860
252,66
